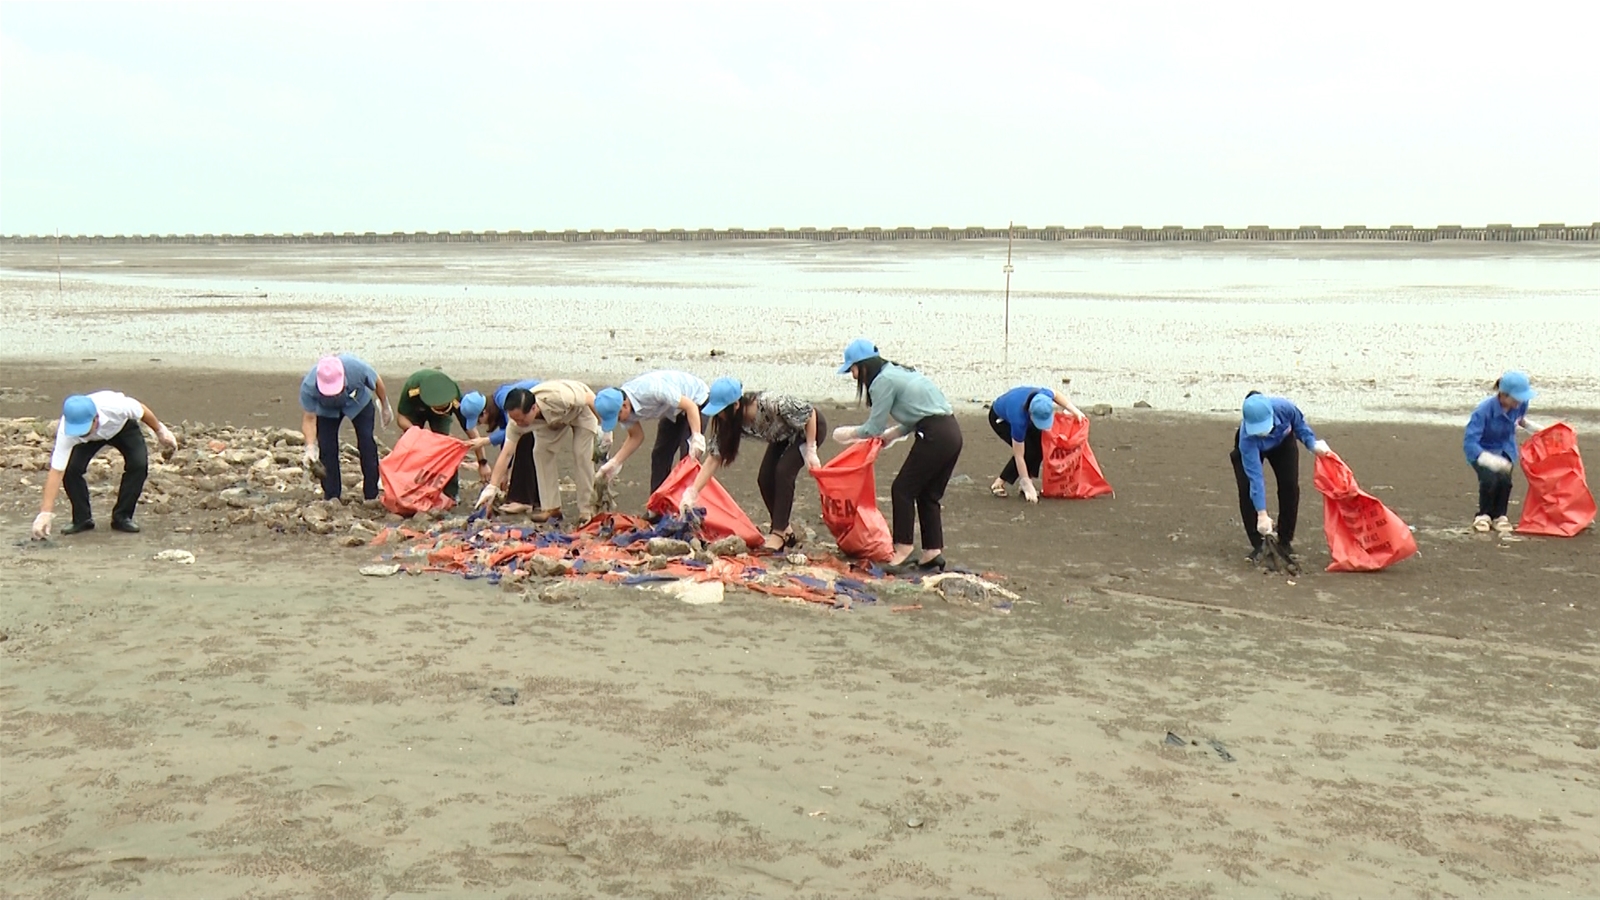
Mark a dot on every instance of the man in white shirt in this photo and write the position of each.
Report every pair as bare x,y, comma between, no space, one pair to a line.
88,424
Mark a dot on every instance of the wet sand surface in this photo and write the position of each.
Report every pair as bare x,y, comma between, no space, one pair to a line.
268,723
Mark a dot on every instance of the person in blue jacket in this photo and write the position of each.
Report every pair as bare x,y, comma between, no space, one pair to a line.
522,488
1491,447
1266,433
1020,417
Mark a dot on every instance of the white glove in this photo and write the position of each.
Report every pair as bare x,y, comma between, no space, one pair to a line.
697,446
41,525
808,452
1321,448
165,438
846,434
486,498
311,455
1029,492
605,442
610,469
690,497
894,436
1494,462
1528,425
1263,523
385,415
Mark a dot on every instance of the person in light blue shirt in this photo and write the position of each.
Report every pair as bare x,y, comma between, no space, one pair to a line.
338,388
522,482
1268,431
1020,417
671,398
1490,445
918,408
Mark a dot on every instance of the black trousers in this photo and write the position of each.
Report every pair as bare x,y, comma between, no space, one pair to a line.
328,452
524,484
780,467
135,468
1494,492
1285,462
1032,449
672,444
919,488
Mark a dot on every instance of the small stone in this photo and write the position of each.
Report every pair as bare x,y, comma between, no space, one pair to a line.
380,571
320,527
505,696
560,592
546,567
181,557
914,822
1100,409
961,479
732,545
354,540
1142,404
668,547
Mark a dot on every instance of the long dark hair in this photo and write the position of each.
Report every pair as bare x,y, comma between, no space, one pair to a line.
727,427
493,417
867,371
519,399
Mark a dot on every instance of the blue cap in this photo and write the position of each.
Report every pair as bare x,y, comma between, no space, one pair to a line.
1042,410
1515,384
725,392
608,405
78,412
859,349
1257,415
472,407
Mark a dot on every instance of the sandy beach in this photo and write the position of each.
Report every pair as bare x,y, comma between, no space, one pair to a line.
268,723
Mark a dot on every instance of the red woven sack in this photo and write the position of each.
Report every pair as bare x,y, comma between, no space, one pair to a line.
1070,470
1558,502
417,469
1363,534
850,502
723,515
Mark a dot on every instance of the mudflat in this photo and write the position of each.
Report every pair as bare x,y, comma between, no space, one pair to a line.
1154,719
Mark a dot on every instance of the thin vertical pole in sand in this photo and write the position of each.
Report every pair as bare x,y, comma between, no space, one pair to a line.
58,265
1010,227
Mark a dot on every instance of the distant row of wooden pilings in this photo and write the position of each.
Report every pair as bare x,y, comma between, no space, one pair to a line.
1137,233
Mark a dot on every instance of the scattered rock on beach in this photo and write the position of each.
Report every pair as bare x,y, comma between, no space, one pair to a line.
668,547
181,557
731,545
1100,409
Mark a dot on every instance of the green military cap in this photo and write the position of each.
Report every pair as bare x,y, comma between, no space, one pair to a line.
437,389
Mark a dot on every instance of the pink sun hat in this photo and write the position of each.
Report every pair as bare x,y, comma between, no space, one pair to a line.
330,376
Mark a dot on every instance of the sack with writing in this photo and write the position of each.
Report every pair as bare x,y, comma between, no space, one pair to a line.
1070,470
1363,534
417,469
1558,502
850,502
723,515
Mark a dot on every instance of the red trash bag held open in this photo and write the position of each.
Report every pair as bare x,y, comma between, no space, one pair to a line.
1558,502
1070,470
850,502
1363,534
724,518
417,469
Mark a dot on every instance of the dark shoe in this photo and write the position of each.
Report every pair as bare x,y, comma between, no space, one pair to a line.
933,565
1255,556
126,526
909,567
76,527
1288,552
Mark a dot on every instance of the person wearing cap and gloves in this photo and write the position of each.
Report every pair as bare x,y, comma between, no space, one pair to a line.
90,423
430,399
522,490
1491,447
919,408
1266,431
791,428
1020,417
338,388
671,398
558,413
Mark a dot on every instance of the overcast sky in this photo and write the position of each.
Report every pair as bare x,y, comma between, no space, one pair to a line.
350,117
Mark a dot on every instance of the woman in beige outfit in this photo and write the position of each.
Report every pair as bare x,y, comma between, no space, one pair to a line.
558,414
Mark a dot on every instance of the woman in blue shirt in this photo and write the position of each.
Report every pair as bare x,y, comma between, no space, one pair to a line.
919,408
1020,417
1490,445
522,488
1267,432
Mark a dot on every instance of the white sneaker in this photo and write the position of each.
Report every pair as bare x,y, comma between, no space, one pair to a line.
1503,525
1481,524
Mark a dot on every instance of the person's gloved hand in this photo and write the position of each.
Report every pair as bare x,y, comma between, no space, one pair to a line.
165,437
846,434
385,415
697,446
310,455
1263,523
690,497
41,525
1494,462
808,452
486,499
894,436
605,442
1029,492
1529,426
1321,448
610,469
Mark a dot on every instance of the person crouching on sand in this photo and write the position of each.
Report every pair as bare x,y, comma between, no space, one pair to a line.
671,398
1265,433
89,424
1020,417
1491,447
920,409
338,388
430,399
557,413
522,491
789,426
